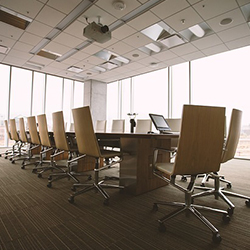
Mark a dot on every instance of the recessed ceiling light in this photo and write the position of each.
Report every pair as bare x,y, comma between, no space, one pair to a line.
119,5
226,21
75,69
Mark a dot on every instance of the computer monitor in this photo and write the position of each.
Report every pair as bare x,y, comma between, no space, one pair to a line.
160,123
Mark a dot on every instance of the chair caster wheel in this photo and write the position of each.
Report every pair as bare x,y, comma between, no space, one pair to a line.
230,211
34,171
162,228
202,185
90,178
71,199
229,185
13,162
49,185
226,218
184,178
23,167
49,178
216,238
5,157
39,175
247,203
106,202
155,207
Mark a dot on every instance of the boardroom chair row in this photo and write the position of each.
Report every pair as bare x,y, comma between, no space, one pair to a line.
199,151
77,145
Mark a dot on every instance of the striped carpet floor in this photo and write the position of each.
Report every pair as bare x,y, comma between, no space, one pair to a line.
33,216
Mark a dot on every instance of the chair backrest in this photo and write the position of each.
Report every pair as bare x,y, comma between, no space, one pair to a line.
174,124
34,136
85,135
118,126
233,136
59,131
43,130
13,130
72,127
22,132
7,129
100,126
143,126
201,140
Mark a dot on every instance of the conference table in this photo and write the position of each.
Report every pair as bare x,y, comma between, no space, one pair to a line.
135,172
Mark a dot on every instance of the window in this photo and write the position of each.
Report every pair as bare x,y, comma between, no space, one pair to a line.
67,102
78,94
53,97
4,83
180,88
38,94
151,93
222,80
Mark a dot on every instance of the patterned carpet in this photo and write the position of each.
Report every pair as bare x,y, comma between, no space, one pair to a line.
33,216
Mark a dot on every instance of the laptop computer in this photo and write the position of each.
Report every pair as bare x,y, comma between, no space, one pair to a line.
160,124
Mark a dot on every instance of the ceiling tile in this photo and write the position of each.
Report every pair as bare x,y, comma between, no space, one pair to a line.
22,47
10,31
193,56
137,40
94,60
98,15
165,55
238,43
215,50
67,40
184,49
243,2
207,41
210,8
183,19
143,21
235,15
92,49
123,32
76,29
64,6
57,48
30,38
135,55
168,8
120,48
38,29
29,8
107,6
13,60
234,33
19,54
50,16
5,41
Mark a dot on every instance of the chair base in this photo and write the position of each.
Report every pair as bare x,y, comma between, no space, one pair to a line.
183,207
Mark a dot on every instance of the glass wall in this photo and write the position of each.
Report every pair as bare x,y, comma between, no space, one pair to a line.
222,80
26,92
5,79
38,94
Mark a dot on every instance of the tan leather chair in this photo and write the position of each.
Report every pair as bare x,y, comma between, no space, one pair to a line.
63,145
118,126
143,126
228,153
88,146
100,126
199,151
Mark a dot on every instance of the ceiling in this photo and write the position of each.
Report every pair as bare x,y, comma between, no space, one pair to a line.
127,53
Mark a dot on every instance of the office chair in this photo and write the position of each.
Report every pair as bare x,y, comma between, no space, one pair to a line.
199,151
88,146
14,149
100,126
118,126
143,126
63,144
228,153
36,158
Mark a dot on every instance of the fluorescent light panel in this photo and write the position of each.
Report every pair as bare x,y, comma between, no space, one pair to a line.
197,30
153,47
3,49
75,69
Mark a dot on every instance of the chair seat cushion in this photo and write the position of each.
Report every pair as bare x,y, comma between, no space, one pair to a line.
166,168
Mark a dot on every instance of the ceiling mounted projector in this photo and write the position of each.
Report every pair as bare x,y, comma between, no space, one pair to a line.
97,32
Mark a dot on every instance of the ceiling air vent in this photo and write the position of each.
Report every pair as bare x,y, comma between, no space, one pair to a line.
12,18
48,54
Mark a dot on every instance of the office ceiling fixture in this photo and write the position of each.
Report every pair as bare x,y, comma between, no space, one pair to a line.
75,69
153,47
70,18
35,65
119,5
226,21
197,30
48,54
13,18
3,49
